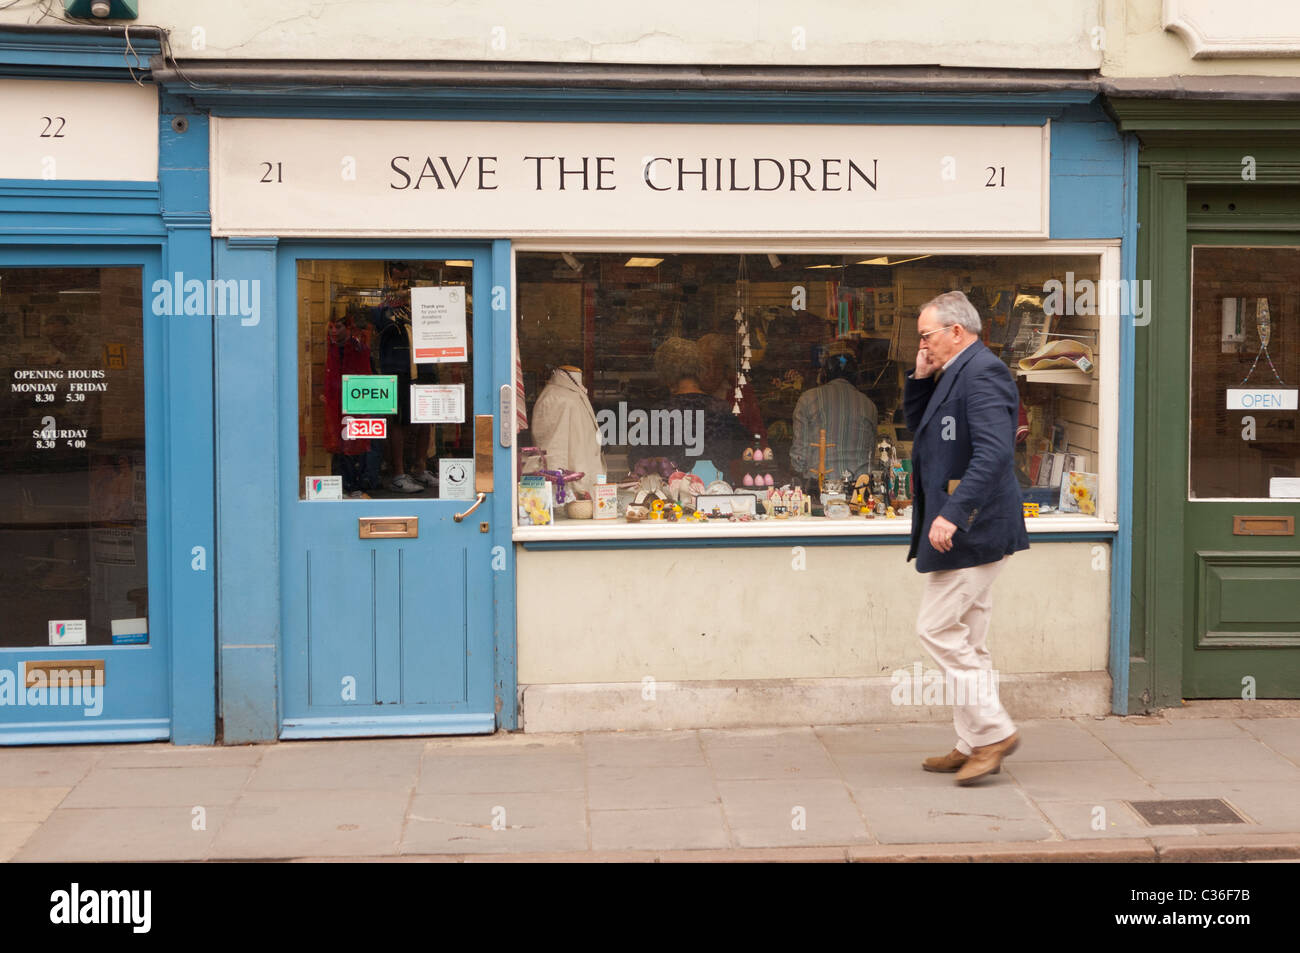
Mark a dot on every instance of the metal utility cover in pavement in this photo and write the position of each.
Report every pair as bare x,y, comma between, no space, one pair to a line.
1209,810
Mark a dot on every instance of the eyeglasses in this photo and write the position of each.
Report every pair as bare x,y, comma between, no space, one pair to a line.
936,331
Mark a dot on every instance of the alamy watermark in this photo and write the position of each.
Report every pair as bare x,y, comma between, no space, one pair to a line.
933,687
53,688
1107,297
213,298
76,905
642,428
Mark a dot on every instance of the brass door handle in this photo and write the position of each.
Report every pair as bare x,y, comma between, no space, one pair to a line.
460,516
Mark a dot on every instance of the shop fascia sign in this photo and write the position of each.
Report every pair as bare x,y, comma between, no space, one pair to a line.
495,179
58,130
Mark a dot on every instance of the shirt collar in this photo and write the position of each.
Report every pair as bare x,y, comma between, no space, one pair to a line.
959,353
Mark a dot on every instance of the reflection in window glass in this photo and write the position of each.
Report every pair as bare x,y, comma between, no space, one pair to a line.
385,379
73,566
752,387
1245,372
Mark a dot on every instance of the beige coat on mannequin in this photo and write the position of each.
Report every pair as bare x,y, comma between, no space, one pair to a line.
564,425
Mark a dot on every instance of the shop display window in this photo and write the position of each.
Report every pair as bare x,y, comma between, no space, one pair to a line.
73,521
385,379
752,388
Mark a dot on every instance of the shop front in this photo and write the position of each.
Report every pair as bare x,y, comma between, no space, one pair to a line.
594,422
1216,581
106,534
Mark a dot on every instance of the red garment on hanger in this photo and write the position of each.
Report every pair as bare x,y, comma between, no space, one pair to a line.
350,357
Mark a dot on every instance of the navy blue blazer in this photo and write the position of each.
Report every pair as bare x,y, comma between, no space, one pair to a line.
964,428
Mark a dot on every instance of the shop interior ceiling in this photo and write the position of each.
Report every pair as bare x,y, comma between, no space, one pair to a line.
712,268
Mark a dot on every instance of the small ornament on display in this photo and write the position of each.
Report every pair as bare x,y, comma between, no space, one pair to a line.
822,446
561,478
836,509
661,466
1264,325
531,460
684,486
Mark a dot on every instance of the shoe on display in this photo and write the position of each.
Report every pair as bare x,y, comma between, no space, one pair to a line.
358,495
403,484
425,477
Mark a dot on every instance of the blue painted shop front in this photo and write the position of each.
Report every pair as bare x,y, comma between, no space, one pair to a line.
268,616
108,517
323,633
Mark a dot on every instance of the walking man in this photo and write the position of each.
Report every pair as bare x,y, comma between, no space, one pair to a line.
961,406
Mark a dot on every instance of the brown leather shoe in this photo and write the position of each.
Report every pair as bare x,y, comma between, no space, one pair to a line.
945,762
987,759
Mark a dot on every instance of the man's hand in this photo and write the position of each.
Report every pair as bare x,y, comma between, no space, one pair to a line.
941,533
924,366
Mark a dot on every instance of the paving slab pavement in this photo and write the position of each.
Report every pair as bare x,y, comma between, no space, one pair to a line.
818,793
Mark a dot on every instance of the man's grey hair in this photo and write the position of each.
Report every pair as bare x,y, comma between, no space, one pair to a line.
954,307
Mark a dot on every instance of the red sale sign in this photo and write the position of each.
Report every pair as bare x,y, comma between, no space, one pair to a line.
362,428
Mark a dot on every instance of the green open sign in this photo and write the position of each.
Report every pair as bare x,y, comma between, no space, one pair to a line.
369,393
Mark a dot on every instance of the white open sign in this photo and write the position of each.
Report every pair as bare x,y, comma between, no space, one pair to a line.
1262,399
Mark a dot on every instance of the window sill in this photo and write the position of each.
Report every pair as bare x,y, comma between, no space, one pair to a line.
566,530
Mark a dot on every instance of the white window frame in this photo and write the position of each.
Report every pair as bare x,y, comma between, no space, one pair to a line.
1108,255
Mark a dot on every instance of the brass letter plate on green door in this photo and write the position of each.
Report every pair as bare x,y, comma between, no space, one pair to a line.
388,527
1263,526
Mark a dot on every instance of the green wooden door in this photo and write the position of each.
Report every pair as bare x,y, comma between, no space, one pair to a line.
1241,556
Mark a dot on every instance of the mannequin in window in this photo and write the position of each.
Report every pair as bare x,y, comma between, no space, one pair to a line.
846,414
564,425
392,322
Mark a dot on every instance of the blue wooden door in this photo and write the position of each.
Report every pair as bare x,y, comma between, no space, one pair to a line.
383,635
84,498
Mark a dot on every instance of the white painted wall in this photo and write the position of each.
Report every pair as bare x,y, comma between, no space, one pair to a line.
1138,43
990,33
588,616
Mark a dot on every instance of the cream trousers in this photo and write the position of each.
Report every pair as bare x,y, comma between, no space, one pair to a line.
953,624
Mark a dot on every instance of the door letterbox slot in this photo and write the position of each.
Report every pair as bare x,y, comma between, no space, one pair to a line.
1263,526
68,673
388,527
